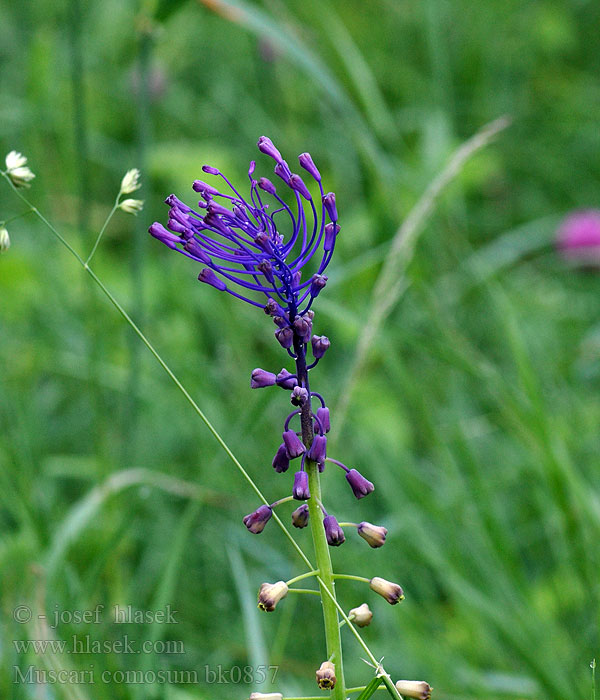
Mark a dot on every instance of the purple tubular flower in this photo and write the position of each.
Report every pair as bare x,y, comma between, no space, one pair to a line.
265,145
331,232
303,326
299,396
297,183
204,188
160,232
360,486
281,461
300,516
286,380
317,283
285,336
329,204
256,521
294,446
210,170
323,416
307,163
208,277
266,185
318,449
283,171
261,378
301,491
333,532
320,345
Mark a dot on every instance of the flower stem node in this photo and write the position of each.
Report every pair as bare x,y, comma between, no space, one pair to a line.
360,486
130,182
4,239
270,594
318,449
361,616
16,169
208,277
320,345
392,592
256,521
374,535
414,689
299,396
281,461
300,516
301,492
295,447
326,676
266,696
323,416
333,532
286,380
261,378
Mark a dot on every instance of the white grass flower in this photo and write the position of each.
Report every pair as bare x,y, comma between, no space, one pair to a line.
17,170
130,182
132,206
4,240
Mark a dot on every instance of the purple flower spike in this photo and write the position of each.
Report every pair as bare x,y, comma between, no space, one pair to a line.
360,486
210,170
265,145
318,449
333,532
281,461
307,163
285,336
208,277
256,521
299,396
261,378
300,516
317,283
294,446
301,491
297,183
329,204
323,416
286,380
331,232
320,345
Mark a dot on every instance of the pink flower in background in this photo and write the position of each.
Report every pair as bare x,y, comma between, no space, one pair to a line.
578,238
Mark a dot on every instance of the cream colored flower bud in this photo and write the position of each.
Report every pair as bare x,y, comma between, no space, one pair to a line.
132,206
373,534
392,592
270,594
361,616
326,676
414,689
17,170
266,696
131,181
4,240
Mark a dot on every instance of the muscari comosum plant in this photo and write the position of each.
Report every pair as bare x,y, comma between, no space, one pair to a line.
239,242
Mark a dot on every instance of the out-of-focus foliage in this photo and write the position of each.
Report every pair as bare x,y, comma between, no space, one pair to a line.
476,417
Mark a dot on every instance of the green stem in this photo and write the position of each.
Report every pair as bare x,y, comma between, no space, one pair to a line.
308,574
351,577
303,590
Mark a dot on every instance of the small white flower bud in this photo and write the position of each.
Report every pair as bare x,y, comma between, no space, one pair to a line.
270,594
15,160
361,616
414,689
132,206
131,181
392,592
17,170
4,240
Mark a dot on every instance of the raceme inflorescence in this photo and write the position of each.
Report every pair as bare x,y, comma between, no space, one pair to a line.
271,249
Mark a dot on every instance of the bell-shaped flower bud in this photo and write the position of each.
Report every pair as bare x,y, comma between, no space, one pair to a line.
286,380
193,248
307,163
303,328
414,689
318,449
333,532
267,269
285,336
294,446
317,283
299,396
160,232
263,240
374,535
281,322
265,184
261,378
301,491
265,145
297,183
329,204
323,416
331,232
272,308
256,521
270,594
208,277
300,516
326,676
361,616
281,461
210,170
360,486
320,345
392,592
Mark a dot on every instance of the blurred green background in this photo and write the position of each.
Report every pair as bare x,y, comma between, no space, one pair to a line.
476,415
